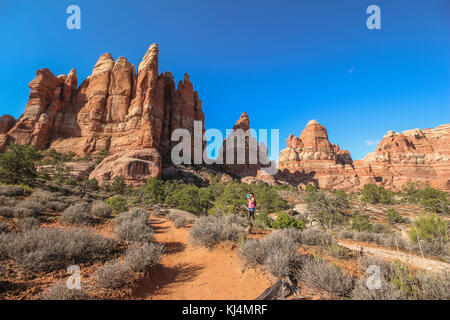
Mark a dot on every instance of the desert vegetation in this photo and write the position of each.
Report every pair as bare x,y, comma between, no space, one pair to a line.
302,238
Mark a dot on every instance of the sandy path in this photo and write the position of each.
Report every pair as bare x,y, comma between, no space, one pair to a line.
392,254
197,273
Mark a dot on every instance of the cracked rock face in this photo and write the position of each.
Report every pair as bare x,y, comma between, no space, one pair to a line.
115,109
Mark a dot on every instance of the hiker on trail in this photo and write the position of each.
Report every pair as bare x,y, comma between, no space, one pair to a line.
251,210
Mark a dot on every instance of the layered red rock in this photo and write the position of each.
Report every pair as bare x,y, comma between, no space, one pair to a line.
414,155
411,156
312,158
115,109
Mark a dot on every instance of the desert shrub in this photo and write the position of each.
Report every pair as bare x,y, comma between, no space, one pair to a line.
283,264
324,276
48,249
43,196
338,251
118,186
57,206
8,201
134,230
35,206
76,214
361,223
12,191
441,206
180,222
190,198
387,291
380,228
367,237
6,212
262,220
372,193
143,258
385,267
405,280
393,217
285,221
28,223
346,234
117,203
3,227
428,228
398,281
139,214
316,237
133,226
328,209
434,286
60,291
101,209
154,191
277,252
253,252
392,240
112,275
209,231
21,213
17,164
268,199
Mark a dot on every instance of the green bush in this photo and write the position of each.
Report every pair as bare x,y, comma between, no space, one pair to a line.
428,228
285,221
17,164
372,193
393,217
434,200
361,223
437,205
329,210
118,186
117,203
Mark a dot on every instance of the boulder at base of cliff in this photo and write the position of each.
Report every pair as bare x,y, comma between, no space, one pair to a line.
136,166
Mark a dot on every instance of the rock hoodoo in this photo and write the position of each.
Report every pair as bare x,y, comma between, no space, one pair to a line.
116,109
244,156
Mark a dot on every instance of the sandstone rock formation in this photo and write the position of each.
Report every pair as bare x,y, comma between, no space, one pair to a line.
414,155
312,158
243,156
131,115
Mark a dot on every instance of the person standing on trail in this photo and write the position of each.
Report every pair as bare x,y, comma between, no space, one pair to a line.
251,210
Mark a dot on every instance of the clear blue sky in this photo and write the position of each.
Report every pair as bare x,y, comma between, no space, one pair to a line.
283,62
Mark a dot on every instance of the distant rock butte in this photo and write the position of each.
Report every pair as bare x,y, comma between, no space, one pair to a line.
131,115
410,156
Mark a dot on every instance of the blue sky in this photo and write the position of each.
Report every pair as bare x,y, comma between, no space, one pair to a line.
283,62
